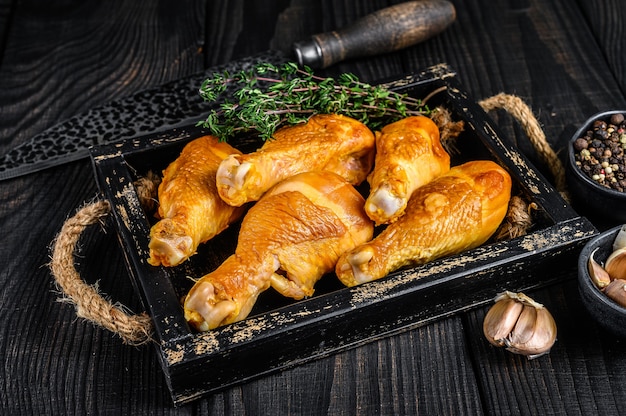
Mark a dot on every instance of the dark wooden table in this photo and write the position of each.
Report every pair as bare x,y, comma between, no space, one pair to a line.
565,58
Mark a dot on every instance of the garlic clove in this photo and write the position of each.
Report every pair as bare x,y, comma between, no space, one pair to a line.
524,328
545,332
616,291
599,275
620,239
615,265
501,319
542,339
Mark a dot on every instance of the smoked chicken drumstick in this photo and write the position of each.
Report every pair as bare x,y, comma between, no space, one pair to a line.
190,208
408,155
326,142
458,211
291,237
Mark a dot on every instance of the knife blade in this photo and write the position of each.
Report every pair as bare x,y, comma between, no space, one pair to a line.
178,102
152,110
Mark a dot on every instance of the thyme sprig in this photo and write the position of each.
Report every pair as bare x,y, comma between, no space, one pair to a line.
269,96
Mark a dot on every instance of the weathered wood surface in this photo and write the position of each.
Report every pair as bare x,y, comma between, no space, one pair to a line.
60,58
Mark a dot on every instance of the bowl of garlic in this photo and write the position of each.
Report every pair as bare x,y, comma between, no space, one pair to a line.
602,279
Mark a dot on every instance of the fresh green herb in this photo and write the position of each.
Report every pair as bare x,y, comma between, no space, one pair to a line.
269,96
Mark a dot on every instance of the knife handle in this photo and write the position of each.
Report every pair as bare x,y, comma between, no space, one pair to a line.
383,31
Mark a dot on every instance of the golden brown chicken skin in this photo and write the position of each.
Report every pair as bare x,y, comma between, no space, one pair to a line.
458,211
409,154
328,142
289,239
190,208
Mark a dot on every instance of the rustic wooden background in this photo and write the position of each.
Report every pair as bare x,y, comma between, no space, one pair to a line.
565,58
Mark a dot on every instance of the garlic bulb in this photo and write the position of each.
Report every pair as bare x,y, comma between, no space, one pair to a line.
611,277
520,324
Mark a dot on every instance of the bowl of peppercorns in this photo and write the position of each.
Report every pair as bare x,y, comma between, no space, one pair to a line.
596,167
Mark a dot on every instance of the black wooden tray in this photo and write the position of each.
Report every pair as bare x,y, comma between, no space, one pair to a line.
281,333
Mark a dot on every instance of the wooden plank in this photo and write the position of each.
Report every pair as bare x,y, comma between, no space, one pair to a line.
425,370
234,32
6,16
62,61
409,374
606,22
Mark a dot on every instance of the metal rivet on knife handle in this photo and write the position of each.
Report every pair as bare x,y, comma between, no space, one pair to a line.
386,30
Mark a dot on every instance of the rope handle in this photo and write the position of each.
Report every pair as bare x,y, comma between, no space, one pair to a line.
89,303
517,108
137,329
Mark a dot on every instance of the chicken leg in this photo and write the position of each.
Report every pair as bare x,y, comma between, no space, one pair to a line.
190,208
408,155
290,238
458,211
326,142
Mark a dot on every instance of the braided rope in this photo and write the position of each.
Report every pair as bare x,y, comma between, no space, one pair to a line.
89,303
517,108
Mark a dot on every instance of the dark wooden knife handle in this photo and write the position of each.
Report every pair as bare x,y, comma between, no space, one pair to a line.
383,31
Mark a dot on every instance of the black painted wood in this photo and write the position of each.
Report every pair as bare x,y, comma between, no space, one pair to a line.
564,58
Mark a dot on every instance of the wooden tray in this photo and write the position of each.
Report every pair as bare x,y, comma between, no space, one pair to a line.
282,333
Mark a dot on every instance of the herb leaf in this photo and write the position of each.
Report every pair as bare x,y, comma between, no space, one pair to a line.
269,96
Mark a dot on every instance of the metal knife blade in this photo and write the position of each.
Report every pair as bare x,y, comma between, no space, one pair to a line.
151,110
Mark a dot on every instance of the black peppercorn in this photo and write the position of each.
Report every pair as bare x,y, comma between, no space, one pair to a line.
580,144
617,119
599,124
601,134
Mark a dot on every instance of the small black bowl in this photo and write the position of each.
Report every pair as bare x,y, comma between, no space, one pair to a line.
590,198
608,314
